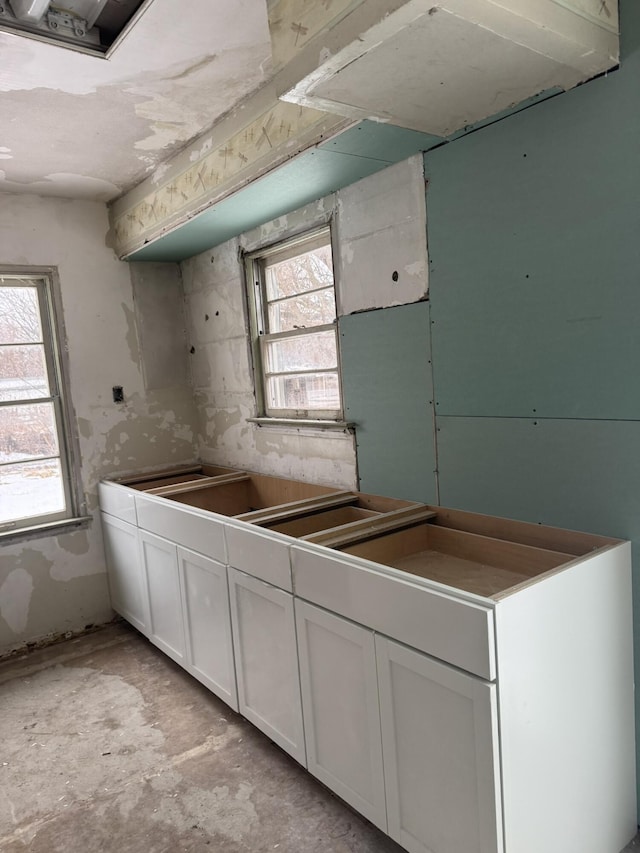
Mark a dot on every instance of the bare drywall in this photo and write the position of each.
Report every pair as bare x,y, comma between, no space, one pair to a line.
380,259
55,584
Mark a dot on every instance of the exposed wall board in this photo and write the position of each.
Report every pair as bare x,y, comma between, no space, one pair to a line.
159,305
305,178
386,377
533,245
381,226
579,474
55,584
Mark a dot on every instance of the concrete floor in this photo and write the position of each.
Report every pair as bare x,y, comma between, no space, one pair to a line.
106,745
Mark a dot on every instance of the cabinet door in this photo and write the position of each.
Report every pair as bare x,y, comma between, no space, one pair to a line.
160,565
340,708
207,624
440,744
264,641
124,572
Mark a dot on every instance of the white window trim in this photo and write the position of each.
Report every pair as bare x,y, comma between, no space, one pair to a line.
75,513
256,298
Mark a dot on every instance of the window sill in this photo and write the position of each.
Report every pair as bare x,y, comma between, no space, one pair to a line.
53,528
304,423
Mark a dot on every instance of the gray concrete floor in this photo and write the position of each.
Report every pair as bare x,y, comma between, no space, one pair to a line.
106,745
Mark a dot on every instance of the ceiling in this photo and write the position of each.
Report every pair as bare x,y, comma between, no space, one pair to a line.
81,126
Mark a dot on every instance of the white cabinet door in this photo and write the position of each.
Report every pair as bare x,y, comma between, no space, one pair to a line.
440,746
124,572
207,624
160,566
340,708
264,641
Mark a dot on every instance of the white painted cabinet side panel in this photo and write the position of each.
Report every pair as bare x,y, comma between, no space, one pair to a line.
259,553
565,671
440,747
124,571
266,656
193,528
207,624
160,566
340,709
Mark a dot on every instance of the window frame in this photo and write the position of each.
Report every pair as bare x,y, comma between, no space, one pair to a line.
256,263
46,282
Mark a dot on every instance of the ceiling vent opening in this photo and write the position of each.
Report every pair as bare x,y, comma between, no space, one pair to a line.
90,26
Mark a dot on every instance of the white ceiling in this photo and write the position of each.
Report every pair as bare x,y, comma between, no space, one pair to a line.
80,126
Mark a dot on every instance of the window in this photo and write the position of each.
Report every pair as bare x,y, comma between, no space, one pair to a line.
35,482
293,318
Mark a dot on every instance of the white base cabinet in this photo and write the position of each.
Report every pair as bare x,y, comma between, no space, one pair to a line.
207,624
464,682
441,764
340,709
264,640
124,571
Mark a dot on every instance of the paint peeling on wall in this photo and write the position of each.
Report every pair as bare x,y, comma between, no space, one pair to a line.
15,598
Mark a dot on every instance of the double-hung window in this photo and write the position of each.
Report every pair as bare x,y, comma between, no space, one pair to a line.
35,477
293,310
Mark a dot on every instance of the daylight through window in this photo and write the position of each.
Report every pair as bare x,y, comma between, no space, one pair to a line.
34,470
295,319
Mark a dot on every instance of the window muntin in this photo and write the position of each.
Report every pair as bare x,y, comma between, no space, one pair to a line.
295,325
35,482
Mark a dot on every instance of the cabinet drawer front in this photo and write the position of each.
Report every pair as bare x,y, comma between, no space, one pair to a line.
457,631
441,755
260,554
117,501
194,529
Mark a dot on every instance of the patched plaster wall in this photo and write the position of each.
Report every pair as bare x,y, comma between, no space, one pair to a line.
56,584
380,259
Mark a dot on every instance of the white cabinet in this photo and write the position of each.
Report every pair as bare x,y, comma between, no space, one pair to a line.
124,572
160,567
207,624
264,640
440,743
340,708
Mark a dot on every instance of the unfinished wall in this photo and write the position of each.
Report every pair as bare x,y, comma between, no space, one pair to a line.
55,584
379,231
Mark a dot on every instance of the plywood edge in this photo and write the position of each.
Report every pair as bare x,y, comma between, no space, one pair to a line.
157,475
359,531
523,532
196,485
513,556
292,509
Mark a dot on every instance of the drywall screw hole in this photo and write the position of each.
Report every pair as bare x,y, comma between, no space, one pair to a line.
217,313
192,350
206,317
394,275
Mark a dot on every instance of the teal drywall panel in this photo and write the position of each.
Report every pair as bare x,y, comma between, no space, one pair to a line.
381,141
533,228
357,153
386,378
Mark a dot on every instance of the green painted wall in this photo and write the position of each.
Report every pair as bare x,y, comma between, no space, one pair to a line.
534,244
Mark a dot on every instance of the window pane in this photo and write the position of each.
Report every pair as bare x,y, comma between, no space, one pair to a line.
300,312
23,372
27,432
314,351
309,391
30,488
19,315
308,271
